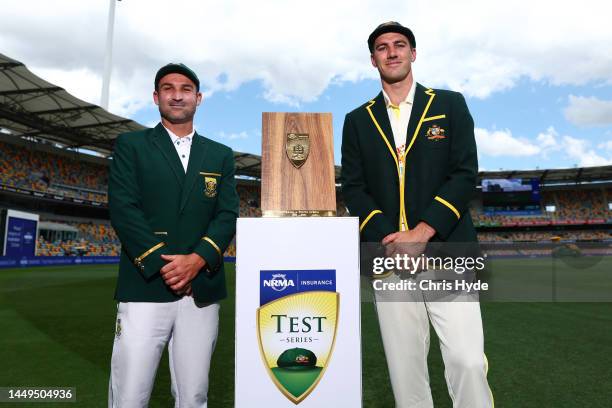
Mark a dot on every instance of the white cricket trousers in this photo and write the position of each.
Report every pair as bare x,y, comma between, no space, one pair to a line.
143,330
404,326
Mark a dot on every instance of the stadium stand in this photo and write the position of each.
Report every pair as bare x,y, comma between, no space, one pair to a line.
41,171
34,170
89,238
46,172
542,236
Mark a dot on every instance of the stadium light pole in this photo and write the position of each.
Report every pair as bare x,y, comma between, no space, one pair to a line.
108,55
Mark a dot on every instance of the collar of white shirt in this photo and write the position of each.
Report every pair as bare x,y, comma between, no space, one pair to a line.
184,139
409,98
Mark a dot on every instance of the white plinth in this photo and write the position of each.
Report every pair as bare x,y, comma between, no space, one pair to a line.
306,246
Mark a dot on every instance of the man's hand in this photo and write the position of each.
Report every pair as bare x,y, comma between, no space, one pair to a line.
411,242
181,270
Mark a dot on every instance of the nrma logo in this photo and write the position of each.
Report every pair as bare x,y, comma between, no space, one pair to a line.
279,282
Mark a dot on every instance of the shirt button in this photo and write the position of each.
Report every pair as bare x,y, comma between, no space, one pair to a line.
183,156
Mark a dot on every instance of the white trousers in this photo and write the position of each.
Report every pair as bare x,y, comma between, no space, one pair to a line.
143,330
404,325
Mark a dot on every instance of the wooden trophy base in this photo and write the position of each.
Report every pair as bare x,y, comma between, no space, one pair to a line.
297,173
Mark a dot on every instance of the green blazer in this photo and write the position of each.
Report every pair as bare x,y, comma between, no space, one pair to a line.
156,209
441,167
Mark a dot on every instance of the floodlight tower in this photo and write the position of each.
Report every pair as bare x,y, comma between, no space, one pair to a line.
108,55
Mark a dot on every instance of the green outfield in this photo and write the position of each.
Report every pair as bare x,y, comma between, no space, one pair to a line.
58,327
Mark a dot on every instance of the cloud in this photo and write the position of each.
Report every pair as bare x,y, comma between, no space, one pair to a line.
501,143
588,111
297,49
498,143
580,150
607,146
548,142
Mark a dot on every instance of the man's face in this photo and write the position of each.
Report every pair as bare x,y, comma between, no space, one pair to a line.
177,98
393,57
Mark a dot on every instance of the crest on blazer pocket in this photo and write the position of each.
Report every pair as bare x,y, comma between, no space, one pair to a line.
210,187
435,133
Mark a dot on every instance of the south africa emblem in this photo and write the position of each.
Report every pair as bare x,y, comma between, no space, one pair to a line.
210,187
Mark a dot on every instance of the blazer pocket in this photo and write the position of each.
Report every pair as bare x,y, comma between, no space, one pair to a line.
436,133
210,182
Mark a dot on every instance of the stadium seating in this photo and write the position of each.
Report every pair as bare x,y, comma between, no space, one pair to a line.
95,239
571,207
45,172
60,175
544,236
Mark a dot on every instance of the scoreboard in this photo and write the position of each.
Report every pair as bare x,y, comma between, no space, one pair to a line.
511,195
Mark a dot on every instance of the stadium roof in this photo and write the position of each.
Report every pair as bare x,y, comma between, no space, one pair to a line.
35,109
32,107
572,175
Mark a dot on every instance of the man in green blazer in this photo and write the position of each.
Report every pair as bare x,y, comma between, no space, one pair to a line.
173,204
409,170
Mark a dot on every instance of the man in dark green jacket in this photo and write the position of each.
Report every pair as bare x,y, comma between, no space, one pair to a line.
173,204
409,170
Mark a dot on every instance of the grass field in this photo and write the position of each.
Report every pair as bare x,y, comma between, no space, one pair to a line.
57,328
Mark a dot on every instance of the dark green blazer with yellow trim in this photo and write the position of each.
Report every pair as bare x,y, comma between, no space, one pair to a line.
156,209
441,167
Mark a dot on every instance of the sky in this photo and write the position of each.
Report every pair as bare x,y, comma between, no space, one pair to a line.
537,75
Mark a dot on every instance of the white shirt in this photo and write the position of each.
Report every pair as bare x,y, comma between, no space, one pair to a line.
182,146
399,116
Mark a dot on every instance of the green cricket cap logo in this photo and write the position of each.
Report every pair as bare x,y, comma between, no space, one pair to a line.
297,359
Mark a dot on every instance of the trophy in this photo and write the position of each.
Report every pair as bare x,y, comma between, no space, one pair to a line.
297,175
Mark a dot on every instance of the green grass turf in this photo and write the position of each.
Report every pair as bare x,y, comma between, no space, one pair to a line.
57,327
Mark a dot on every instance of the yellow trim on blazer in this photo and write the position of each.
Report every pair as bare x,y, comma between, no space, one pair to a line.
403,214
434,118
432,95
149,252
212,243
403,217
401,181
372,102
210,174
449,205
367,219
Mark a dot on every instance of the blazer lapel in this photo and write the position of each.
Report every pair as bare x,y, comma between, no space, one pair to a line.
377,109
196,155
161,139
422,100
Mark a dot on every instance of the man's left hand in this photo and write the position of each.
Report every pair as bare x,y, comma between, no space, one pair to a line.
411,242
180,270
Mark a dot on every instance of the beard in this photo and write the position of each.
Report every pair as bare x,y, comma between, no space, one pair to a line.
394,77
177,117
